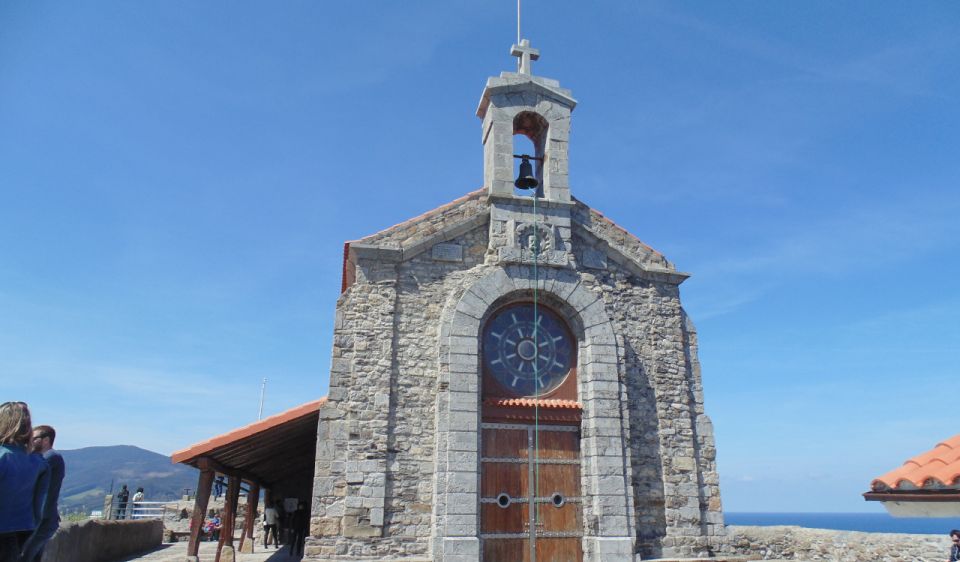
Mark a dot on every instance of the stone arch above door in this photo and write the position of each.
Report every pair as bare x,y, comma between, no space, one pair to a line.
608,499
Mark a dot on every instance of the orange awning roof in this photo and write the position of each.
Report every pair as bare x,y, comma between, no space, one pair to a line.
267,451
935,469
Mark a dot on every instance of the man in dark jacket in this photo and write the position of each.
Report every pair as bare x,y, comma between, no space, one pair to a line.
122,498
43,437
299,525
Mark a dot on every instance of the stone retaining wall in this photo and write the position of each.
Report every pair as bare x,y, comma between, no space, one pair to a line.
799,543
99,540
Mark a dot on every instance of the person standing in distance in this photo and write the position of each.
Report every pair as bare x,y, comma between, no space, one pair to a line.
270,520
123,497
955,549
43,437
137,498
300,525
24,479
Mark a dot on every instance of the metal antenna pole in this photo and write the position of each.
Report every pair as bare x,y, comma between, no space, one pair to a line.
518,22
263,388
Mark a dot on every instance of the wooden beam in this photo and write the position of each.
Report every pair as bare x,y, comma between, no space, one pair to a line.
199,510
229,516
246,540
918,496
204,463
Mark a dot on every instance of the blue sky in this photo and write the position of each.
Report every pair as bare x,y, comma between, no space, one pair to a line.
177,179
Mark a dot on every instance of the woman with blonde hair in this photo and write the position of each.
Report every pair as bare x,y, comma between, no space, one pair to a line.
23,480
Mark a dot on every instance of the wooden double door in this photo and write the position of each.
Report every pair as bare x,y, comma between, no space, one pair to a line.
530,503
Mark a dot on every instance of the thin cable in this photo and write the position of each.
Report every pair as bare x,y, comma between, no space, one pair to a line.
536,369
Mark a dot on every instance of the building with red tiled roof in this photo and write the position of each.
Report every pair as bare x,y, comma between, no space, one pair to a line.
927,485
513,375
274,455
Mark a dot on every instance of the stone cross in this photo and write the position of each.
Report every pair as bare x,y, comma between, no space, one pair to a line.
525,53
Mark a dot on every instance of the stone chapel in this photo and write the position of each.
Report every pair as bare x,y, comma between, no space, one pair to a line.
513,375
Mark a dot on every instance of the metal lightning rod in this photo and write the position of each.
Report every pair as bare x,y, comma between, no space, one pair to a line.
263,388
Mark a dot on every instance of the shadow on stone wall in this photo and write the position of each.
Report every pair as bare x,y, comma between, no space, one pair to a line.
648,495
98,540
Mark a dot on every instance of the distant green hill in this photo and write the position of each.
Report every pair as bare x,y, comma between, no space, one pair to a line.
91,470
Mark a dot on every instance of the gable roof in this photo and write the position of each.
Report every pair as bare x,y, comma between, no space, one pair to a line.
411,237
936,469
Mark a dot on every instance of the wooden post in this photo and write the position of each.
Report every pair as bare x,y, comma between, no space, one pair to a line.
229,515
253,498
200,507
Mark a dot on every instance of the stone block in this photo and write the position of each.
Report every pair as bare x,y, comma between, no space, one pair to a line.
354,528
463,401
600,334
685,464
324,486
461,503
563,288
463,345
614,525
613,549
612,483
463,519
594,314
463,441
326,527
463,362
581,299
447,252
458,482
597,371
464,421
461,546
471,305
462,325
602,353
453,530
467,386
336,509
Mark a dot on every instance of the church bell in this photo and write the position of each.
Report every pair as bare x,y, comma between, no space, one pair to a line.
526,179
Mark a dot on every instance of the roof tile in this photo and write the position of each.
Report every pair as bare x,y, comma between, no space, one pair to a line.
530,402
937,467
193,451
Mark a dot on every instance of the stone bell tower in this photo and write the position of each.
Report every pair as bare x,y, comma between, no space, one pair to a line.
521,103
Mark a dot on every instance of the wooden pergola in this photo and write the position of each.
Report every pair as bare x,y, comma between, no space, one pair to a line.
265,455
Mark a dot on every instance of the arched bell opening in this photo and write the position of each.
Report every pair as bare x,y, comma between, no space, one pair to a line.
530,138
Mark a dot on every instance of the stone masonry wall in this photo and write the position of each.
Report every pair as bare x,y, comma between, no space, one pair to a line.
798,543
374,479
676,488
351,461
97,540
384,381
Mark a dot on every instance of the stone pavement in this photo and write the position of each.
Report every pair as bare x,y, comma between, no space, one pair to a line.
177,552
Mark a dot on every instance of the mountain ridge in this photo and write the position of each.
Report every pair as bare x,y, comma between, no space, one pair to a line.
92,472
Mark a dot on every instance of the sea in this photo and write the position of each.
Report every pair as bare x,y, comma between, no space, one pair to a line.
870,522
